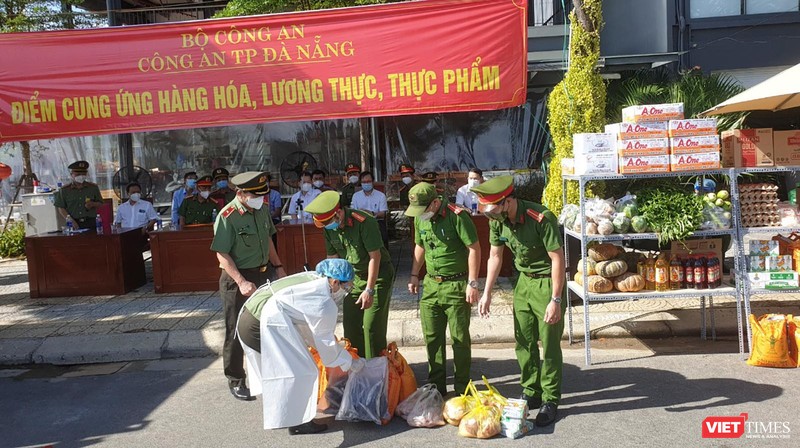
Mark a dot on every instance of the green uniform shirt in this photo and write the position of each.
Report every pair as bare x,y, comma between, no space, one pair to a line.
347,194
226,195
533,233
196,212
257,301
73,199
243,234
445,238
358,235
404,189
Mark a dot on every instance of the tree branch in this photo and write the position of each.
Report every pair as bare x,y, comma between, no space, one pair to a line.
583,19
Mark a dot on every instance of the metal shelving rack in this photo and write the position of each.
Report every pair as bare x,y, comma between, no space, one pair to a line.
582,291
749,231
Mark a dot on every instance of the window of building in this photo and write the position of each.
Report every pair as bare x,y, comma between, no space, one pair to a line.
721,8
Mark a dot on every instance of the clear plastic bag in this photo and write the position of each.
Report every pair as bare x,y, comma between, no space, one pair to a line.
331,399
423,408
569,214
597,209
365,394
715,218
627,205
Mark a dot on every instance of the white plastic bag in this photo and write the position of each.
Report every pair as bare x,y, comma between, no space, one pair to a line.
423,408
365,395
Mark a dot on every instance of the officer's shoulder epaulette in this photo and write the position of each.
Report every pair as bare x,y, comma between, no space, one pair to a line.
455,208
536,215
358,216
228,211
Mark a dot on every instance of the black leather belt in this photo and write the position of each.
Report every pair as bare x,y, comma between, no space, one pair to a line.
256,269
446,278
532,275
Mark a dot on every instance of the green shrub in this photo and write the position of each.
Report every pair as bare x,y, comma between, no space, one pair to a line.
12,241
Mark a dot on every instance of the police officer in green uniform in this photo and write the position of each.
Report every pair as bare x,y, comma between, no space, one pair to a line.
407,178
352,171
530,230
198,208
355,236
243,243
223,192
445,236
79,199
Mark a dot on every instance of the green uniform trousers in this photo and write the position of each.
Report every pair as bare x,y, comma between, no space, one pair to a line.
444,304
539,377
366,329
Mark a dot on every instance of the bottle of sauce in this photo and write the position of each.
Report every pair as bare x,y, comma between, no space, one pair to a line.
650,273
700,280
662,273
641,268
688,272
675,273
714,272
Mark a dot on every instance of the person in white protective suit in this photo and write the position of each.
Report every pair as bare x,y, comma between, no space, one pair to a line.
276,326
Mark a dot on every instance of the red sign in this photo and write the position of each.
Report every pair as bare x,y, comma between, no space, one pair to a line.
396,59
724,427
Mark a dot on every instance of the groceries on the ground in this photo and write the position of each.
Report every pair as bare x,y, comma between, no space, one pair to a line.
365,394
514,421
775,340
423,408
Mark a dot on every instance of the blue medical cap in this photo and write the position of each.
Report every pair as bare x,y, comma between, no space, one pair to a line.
336,268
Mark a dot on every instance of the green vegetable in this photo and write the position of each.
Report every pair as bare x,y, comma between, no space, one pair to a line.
639,224
630,210
723,194
674,214
621,223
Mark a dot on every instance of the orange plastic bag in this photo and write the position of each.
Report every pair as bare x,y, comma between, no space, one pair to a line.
770,342
794,339
402,382
323,371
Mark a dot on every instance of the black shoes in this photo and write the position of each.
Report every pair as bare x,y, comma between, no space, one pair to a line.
533,402
547,414
307,428
240,391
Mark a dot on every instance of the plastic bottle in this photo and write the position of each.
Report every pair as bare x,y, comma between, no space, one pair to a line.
675,273
158,223
70,226
98,223
650,271
641,268
474,208
714,272
662,273
700,281
59,185
214,215
35,186
688,272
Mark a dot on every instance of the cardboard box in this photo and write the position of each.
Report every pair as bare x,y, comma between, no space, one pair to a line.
593,144
691,145
643,147
764,248
692,126
779,263
693,162
601,163
697,247
652,112
629,131
644,164
750,147
727,153
758,263
567,166
773,280
787,148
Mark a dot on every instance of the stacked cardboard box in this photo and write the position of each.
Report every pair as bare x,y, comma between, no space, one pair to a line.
787,148
694,144
770,267
759,205
594,154
742,148
642,137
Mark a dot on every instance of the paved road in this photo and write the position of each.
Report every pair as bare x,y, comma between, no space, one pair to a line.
654,395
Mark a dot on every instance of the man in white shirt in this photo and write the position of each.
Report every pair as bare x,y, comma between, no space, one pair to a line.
136,212
369,199
466,198
306,194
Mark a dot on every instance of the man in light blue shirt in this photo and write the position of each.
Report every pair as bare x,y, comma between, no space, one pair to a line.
275,203
190,182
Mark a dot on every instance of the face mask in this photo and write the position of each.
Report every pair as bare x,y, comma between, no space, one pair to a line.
407,180
332,225
426,216
306,187
222,184
339,295
473,182
318,183
80,179
135,197
205,194
353,179
490,212
191,183
366,187
255,202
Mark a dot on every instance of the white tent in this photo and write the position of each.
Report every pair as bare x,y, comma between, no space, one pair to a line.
780,92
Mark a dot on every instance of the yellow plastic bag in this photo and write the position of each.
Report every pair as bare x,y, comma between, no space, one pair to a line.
794,339
770,342
492,397
482,422
457,407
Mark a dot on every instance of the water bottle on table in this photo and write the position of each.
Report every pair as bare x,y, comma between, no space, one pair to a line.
98,222
70,227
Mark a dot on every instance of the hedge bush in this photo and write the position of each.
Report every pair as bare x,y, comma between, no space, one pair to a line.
12,241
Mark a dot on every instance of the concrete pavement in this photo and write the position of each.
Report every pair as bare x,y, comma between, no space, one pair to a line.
143,325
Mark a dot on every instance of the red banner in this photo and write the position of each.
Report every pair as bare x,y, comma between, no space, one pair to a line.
403,58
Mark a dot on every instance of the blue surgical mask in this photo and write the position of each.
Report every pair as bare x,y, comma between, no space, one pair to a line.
222,184
191,183
333,225
366,187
